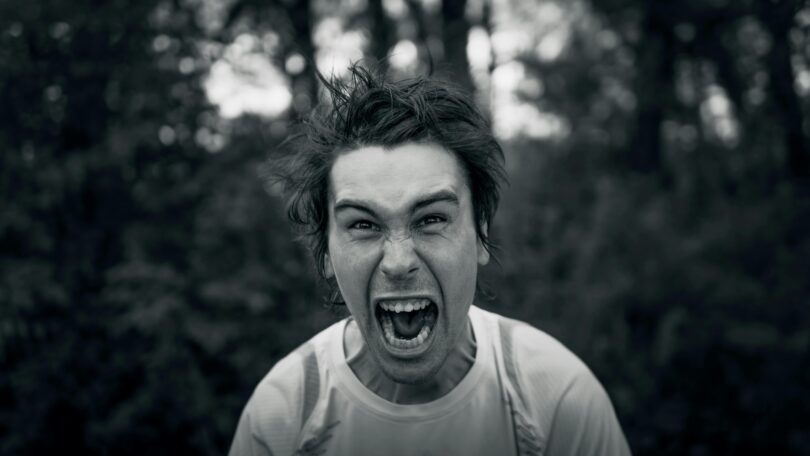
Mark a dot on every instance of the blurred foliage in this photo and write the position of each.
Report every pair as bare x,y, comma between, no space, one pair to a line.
148,278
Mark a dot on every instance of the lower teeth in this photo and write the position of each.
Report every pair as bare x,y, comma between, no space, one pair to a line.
388,329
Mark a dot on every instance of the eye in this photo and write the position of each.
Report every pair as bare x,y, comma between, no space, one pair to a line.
363,225
431,220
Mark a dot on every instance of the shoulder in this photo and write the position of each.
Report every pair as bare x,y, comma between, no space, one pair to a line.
560,392
298,370
272,419
542,358
537,356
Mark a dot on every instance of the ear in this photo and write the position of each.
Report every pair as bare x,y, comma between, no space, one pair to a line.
328,271
483,253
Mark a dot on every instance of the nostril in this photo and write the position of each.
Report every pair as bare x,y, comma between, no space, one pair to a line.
398,271
399,259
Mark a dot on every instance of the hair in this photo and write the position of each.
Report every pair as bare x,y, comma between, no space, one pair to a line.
368,110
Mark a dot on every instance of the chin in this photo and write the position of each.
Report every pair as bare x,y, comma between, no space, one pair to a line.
404,372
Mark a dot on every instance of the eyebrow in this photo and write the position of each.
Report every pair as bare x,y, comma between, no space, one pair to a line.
442,196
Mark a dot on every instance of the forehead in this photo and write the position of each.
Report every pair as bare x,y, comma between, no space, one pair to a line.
393,178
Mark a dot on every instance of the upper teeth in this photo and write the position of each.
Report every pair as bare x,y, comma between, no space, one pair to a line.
405,305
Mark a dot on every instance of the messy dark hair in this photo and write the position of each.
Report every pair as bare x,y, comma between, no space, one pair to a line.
368,110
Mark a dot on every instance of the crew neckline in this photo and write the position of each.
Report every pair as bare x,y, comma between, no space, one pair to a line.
348,382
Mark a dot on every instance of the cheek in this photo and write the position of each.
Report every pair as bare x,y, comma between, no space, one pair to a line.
353,269
454,261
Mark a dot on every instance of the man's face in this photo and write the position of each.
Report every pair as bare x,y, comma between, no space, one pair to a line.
404,251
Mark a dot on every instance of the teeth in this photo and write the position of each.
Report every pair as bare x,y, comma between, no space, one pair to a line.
388,329
406,305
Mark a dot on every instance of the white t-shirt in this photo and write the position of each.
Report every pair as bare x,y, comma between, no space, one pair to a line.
524,394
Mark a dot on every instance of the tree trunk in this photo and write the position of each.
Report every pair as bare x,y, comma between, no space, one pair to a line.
454,37
305,90
778,19
382,31
653,90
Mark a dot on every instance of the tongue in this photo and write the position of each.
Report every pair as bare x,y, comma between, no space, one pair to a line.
408,324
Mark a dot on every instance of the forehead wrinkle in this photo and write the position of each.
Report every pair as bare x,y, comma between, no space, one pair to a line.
446,194
376,180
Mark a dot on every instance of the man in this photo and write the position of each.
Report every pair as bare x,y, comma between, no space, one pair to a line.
396,185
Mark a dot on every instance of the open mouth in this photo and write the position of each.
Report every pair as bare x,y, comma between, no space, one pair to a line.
407,323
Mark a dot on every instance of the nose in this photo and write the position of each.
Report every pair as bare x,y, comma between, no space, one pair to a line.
399,260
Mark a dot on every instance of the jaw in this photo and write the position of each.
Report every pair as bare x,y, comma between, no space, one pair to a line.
412,371
406,360
433,374
415,376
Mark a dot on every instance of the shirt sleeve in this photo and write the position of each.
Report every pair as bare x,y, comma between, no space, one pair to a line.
585,422
271,421
245,442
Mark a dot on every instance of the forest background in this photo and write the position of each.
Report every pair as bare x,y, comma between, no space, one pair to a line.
656,222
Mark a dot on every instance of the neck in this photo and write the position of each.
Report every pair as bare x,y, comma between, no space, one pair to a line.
458,363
